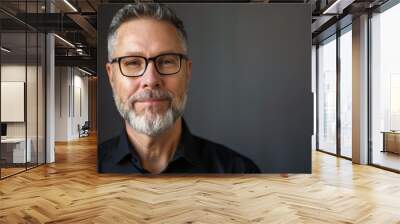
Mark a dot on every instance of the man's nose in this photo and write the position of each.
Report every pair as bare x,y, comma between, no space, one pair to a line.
151,78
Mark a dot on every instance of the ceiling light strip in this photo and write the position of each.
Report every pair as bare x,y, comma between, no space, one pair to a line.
84,71
70,5
326,11
5,49
64,40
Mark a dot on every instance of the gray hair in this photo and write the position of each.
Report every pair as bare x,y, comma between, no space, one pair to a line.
142,10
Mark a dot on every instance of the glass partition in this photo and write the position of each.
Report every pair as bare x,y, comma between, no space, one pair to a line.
14,153
41,107
327,95
22,88
31,100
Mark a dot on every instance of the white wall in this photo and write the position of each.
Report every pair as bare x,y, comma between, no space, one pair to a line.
71,102
16,73
80,110
61,103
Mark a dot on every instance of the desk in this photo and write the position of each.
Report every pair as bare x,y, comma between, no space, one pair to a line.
13,150
391,141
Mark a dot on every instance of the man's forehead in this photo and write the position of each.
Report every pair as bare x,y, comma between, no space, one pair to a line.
146,36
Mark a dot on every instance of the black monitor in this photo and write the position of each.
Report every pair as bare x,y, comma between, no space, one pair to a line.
3,129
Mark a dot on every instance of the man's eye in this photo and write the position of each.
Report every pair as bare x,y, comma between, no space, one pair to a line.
133,63
166,62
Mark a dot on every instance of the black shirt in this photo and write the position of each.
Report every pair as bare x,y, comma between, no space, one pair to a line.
193,155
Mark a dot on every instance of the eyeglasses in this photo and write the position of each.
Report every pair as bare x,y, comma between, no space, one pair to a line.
134,66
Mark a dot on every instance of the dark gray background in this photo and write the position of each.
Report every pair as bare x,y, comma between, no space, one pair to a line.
251,81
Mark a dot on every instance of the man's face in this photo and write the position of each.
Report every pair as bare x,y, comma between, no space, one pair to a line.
152,102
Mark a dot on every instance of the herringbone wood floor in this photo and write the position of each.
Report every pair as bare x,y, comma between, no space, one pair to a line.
70,191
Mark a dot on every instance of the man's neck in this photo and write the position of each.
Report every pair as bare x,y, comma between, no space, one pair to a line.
155,152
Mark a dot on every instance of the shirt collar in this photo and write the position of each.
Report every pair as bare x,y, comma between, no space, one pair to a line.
190,148
187,148
124,147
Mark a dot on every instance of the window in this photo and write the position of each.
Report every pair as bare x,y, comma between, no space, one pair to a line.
385,88
346,93
327,95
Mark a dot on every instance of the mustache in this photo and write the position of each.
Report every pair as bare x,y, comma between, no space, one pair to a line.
153,94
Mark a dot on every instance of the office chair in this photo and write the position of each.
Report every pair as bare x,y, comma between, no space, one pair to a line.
84,130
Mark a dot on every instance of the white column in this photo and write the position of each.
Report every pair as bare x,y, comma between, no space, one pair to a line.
50,93
360,90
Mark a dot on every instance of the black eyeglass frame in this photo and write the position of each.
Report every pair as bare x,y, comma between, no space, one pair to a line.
147,60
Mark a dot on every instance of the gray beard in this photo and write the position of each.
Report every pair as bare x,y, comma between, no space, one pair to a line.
156,123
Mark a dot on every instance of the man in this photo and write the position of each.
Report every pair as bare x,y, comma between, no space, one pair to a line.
149,73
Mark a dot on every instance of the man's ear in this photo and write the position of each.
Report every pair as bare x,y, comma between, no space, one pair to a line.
110,73
189,70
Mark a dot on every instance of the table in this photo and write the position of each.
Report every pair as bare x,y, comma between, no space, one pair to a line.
391,141
13,150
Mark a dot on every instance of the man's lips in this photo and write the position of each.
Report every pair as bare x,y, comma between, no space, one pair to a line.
152,101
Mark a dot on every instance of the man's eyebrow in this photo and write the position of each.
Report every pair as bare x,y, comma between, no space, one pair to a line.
133,53
138,53
169,51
